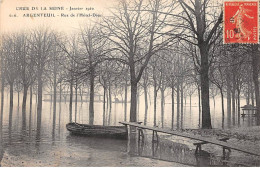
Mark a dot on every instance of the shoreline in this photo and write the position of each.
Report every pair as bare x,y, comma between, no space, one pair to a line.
240,133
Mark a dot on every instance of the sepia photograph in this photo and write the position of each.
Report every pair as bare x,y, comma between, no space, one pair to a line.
129,83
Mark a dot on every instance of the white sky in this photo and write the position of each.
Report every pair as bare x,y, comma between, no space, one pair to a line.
10,24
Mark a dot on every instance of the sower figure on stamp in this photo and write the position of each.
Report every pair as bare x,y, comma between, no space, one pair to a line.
239,19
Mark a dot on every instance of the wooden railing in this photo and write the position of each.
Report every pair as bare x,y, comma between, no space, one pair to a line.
203,140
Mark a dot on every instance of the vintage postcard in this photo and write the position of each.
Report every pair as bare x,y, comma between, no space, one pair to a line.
129,83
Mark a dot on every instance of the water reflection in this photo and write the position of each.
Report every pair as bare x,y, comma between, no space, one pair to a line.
168,150
97,143
25,137
161,150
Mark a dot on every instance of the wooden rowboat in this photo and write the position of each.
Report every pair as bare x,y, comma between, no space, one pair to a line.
119,132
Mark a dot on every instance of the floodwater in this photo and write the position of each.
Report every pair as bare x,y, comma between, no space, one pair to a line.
53,145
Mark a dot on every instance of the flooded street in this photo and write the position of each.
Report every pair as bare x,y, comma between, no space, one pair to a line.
53,145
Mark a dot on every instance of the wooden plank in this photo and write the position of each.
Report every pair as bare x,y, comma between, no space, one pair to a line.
224,139
190,136
200,143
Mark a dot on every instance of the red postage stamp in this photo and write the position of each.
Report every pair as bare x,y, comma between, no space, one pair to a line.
241,22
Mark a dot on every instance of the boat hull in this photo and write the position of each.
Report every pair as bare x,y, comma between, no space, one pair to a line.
119,132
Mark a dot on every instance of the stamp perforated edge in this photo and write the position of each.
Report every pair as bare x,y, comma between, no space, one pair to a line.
224,21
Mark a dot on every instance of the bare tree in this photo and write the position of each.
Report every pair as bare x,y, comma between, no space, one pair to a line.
26,69
55,72
156,81
71,48
195,26
10,54
42,42
171,75
93,47
131,25
2,84
217,77
164,82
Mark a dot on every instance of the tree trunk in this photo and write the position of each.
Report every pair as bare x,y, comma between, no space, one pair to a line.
55,94
60,93
30,118
199,105
255,65
238,105
2,98
81,95
54,106
252,95
51,101
178,104
233,93
222,103
107,97
60,104
39,100
190,101
107,104
181,103
91,98
76,100
133,91
25,89
104,106
162,107
110,102
137,104
146,104
206,119
11,104
172,107
154,103
71,98
228,102
125,118
133,101
2,91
